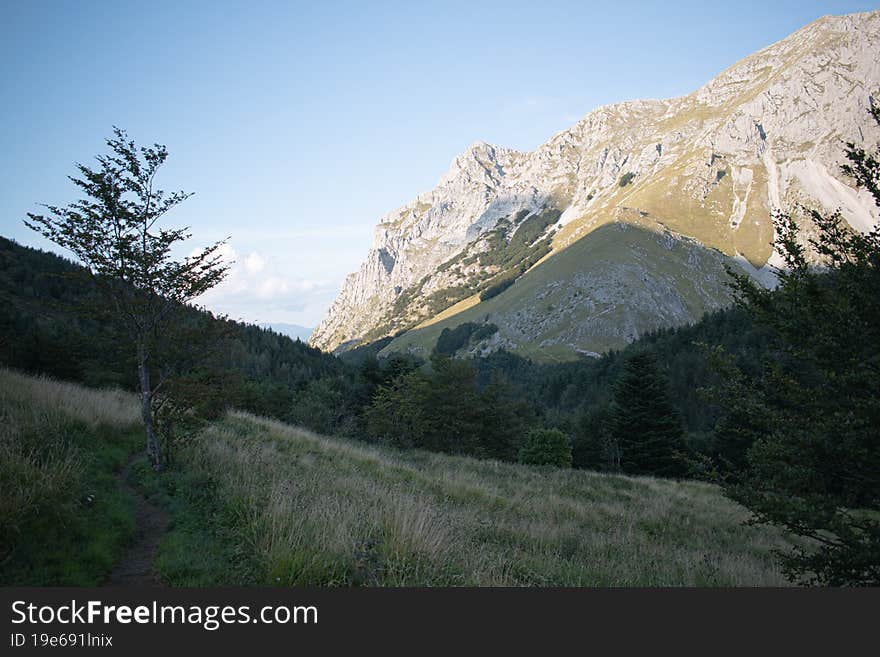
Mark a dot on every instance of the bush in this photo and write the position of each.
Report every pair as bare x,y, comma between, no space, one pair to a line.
319,407
451,340
485,331
546,447
626,179
533,227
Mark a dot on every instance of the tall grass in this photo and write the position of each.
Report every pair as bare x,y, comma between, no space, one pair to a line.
59,445
322,511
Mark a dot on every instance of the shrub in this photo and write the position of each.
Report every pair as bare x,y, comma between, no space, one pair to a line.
485,331
626,179
533,227
546,447
451,340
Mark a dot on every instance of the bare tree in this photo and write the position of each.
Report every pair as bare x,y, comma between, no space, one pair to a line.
113,231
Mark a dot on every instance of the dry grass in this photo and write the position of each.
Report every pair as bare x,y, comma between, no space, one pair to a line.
39,463
331,512
51,434
40,399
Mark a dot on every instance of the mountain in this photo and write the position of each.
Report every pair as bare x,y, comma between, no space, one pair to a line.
685,186
294,331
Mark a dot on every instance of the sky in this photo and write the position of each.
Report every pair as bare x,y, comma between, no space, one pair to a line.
298,125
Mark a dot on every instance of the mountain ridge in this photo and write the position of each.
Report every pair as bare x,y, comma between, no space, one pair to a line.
293,331
710,166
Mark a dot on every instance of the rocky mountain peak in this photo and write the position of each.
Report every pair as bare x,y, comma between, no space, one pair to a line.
710,166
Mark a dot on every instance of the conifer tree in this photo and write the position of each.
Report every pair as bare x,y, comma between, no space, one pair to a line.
643,423
590,446
812,459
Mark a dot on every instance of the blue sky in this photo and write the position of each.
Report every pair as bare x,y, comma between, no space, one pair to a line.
299,124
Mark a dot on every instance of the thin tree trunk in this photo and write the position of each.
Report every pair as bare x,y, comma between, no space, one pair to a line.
154,450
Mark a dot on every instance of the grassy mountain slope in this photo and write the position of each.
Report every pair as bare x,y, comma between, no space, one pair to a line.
598,294
64,520
313,510
254,501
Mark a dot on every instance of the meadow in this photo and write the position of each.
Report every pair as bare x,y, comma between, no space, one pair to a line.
63,518
311,510
253,501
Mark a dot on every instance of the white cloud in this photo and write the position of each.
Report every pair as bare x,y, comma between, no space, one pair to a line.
254,263
271,288
261,288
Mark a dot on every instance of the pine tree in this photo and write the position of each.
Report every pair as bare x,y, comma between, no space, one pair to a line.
644,424
812,464
591,441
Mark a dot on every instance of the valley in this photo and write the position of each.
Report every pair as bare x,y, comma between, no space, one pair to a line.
643,354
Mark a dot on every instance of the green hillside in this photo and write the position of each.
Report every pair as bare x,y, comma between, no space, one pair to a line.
313,510
600,293
254,501
53,321
64,518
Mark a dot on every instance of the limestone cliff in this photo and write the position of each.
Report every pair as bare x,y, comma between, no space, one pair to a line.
765,133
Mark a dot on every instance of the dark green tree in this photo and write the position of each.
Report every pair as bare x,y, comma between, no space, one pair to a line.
396,415
442,409
812,446
503,421
114,232
590,445
643,425
546,447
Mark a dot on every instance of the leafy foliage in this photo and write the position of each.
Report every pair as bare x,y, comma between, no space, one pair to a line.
451,340
52,322
497,288
114,231
592,446
443,410
546,447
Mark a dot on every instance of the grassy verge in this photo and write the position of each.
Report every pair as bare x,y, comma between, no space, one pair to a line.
205,545
63,518
260,502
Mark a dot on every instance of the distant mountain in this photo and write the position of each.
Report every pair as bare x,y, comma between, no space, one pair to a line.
294,331
513,239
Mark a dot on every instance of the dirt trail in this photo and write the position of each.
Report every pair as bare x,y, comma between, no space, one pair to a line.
136,566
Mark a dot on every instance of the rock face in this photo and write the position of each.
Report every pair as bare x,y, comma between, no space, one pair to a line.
766,133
